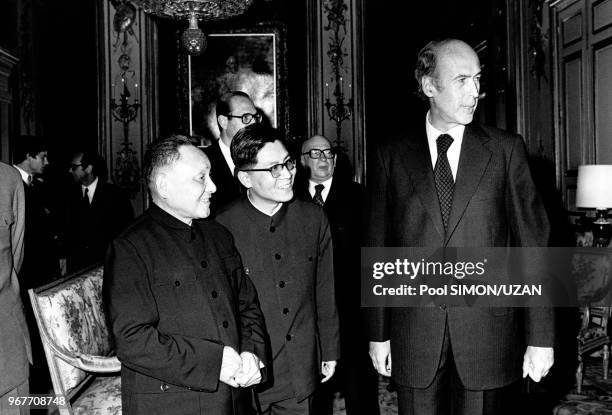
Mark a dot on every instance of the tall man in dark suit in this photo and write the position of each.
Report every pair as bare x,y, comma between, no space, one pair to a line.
286,246
41,257
186,320
96,212
235,110
16,354
453,183
342,200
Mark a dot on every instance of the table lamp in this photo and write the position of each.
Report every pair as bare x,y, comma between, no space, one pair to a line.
594,191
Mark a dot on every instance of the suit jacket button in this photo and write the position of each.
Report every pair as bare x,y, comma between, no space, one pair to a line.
288,337
443,307
225,324
164,387
277,256
272,228
203,264
281,284
214,294
177,283
285,310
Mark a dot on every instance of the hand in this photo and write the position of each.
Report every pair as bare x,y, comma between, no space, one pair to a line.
230,365
328,369
380,353
249,374
537,362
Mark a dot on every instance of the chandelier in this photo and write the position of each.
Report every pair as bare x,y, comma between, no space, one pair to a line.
193,40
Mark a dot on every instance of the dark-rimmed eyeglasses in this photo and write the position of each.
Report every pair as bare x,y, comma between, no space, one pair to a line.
316,153
277,169
246,118
75,166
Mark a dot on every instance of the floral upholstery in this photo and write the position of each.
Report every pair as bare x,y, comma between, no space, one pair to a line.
77,342
102,397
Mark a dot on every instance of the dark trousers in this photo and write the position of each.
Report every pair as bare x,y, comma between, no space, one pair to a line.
446,395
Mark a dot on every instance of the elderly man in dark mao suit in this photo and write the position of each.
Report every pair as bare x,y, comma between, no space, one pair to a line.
187,323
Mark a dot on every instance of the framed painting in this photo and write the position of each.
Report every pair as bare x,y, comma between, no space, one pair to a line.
251,60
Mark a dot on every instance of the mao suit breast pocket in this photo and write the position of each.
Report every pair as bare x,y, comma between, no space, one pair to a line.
177,294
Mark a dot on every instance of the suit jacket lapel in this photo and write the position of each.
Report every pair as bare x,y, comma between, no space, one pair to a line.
418,164
473,161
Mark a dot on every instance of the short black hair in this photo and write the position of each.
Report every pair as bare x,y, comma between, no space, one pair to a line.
248,141
161,153
224,103
97,162
27,145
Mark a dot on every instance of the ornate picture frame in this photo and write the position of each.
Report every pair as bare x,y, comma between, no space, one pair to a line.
250,59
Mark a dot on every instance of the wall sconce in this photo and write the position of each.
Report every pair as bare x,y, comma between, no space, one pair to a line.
594,191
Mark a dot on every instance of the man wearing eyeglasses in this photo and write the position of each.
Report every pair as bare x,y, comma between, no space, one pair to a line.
341,199
286,249
235,110
96,212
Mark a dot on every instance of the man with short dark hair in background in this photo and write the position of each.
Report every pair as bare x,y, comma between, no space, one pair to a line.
234,110
96,211
15,352
286,247
41,257
342,200
186,320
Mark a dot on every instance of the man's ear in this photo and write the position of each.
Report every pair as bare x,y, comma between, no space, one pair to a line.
88,169
244,179
428,86
222,120
303,160
161,185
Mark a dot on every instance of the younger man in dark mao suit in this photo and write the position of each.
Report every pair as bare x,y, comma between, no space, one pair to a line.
287,249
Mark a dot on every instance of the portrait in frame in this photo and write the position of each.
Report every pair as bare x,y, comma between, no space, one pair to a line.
251,60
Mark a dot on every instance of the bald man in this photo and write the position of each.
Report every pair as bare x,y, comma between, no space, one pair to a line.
341,199
235,110
453,183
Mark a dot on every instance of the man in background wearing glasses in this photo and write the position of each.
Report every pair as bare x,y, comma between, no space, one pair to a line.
235,110
286,248
341,198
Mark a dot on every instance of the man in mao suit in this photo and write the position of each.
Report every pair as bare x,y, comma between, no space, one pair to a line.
97,211
342,200
286,246
454,183
235,110
188,328
16,354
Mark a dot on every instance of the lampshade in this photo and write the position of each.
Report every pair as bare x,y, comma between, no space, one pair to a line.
594,189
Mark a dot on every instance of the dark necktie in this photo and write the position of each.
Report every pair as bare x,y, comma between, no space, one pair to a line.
318,196
86,198
445,185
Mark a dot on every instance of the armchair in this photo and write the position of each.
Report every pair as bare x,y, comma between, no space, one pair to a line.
78,344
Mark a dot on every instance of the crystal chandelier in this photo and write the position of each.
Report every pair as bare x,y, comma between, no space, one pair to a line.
193,40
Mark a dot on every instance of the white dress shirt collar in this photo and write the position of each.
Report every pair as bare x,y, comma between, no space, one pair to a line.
24,174
227,155
325,192
91,189
454,150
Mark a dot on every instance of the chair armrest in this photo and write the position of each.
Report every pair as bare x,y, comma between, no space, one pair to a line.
98,364
87,362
